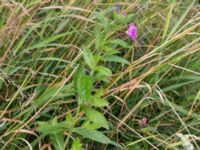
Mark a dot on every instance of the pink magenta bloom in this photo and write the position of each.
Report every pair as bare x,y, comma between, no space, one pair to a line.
118,10
132,31
143,122
123,13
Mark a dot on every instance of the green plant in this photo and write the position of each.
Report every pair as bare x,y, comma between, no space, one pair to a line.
72,78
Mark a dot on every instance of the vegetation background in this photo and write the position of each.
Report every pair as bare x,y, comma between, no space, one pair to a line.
70,77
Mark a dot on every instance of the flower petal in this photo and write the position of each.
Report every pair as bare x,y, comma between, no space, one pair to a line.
132,31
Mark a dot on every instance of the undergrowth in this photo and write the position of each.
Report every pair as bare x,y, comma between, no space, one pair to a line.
72,78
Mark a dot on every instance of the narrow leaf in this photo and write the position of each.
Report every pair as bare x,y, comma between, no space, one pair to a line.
114,58
120,42
44,97
95,136
167,21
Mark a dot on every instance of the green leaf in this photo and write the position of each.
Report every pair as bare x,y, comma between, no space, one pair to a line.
83,85
95,136
79,74
95,116
181,19
76,145
53,59
70,120
89,58
47,128
98,101
103,71
23,39
90,125
1,82
103,20
120,42
46,96
97,37
58,141
45,42
85,88
120,19
114,58
168,19
110,50
97,57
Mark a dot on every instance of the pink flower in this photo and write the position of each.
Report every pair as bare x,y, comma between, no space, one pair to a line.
132,31
118,9
124,13
143,122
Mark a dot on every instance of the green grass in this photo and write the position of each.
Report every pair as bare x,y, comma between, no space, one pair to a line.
70,78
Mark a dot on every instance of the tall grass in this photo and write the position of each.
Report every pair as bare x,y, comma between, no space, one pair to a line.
70,77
